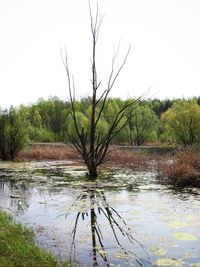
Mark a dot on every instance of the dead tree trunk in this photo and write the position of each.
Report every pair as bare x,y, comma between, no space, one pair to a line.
90,143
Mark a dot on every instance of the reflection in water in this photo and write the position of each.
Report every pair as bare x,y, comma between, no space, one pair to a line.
19,200
93,204
95,231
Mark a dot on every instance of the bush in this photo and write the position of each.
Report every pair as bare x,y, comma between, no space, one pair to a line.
183,170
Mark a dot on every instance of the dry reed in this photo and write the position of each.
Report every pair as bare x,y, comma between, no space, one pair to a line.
48,153
183,170
133,160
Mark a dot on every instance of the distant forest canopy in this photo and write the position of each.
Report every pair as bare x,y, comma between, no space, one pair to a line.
171,121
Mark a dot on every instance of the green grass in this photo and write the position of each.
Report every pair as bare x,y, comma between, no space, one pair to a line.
17,246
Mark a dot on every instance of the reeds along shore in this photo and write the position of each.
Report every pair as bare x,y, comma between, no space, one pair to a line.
180,169
183,170
48,153
116,156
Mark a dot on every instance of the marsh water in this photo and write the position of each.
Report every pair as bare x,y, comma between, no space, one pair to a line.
125,218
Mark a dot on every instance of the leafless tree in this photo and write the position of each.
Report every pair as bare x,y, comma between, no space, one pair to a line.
90,143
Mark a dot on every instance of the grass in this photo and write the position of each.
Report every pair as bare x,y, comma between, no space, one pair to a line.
48,153
134,160
17,246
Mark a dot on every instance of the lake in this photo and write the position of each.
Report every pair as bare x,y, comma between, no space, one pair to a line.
124,218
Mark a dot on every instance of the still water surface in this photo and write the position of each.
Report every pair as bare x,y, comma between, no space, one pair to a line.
125,218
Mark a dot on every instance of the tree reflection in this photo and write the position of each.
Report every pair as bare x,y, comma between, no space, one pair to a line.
92,205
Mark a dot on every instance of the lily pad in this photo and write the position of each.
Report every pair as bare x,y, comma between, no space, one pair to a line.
168,262
158,251
184,236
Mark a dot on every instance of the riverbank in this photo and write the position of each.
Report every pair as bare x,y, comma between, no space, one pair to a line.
17,246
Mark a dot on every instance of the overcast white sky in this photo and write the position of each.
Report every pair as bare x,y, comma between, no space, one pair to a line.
165,53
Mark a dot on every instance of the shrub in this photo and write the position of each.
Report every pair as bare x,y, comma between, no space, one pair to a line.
183,170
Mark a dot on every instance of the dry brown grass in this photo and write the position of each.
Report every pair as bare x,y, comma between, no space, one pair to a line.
183,170
133,160
118,157
48,153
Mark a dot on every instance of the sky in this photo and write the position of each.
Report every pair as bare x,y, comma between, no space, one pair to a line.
164,61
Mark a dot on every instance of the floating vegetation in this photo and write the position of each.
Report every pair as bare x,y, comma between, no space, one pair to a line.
158,251
178,224
184,236
169,262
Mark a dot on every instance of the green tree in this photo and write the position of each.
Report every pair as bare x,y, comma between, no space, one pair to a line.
14,132
198,100
36,119
182,123
81,121
142,125
160,106
3,134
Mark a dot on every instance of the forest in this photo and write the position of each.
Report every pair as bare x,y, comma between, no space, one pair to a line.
167,122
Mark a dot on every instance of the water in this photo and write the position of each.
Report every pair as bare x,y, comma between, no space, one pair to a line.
124,219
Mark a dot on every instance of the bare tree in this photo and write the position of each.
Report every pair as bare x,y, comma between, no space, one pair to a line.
90,143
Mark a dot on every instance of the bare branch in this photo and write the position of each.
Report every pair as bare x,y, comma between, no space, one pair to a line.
112,81
90,143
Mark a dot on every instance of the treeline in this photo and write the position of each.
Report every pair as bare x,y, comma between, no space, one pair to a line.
170,121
